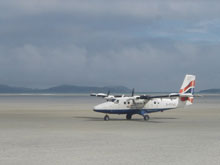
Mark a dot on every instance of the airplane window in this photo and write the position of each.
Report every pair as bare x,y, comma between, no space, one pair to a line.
124,102
154,102
128,102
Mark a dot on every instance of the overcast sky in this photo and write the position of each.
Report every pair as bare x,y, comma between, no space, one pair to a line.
146,44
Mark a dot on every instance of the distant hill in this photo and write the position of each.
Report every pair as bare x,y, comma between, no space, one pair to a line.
65,89
8,89
85,89
210,91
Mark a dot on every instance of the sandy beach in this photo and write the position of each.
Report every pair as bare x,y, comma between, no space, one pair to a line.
65,130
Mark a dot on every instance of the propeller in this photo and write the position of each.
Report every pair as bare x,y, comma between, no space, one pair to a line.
108,93
93,94
132,93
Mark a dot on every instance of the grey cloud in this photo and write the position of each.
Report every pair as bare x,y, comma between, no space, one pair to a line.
141,8
149,45
149,67
30,64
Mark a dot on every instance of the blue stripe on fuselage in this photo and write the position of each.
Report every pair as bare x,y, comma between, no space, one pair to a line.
131,111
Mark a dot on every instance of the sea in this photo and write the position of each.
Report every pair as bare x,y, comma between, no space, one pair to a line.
80,101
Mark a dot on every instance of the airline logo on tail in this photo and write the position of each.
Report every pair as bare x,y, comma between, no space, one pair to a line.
188,86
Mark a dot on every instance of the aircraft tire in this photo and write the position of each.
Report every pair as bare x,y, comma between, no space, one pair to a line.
106,118
128,116
146,117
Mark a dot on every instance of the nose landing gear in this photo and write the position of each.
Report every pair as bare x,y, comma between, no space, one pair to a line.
106,118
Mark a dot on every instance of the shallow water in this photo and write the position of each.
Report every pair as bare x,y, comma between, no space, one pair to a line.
212,101
83,100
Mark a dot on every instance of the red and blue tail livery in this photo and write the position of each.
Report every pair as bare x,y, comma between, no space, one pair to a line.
188,84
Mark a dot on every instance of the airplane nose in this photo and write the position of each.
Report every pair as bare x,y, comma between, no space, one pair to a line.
94,108
102,106
97,107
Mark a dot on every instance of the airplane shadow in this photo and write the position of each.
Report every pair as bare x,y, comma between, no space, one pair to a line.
164,118
152,119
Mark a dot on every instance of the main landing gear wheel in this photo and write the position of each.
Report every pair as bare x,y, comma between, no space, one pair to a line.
128,116
106,118
146,117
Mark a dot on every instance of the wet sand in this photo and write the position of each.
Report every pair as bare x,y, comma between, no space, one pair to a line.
64,130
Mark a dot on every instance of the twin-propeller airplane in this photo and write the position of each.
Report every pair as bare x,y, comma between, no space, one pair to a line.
144,104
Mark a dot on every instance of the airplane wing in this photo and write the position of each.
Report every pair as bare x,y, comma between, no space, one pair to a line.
107,96
99,94
172,95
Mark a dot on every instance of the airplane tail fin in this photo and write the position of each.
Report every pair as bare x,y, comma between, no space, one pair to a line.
187,90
